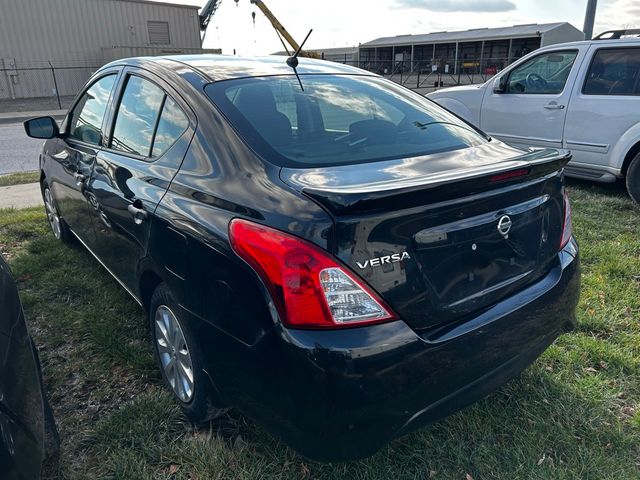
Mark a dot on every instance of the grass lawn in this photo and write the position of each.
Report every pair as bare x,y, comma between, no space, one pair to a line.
574,414
19,178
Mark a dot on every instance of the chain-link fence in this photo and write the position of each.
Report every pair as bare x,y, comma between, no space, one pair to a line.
427,75
41,85
52,86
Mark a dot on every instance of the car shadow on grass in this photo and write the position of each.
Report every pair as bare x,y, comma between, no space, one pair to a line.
534,427
615,189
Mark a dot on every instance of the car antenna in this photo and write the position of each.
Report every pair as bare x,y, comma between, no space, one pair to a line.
293,60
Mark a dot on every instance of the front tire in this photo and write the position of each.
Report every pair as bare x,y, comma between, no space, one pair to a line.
180,358
57,224
633,179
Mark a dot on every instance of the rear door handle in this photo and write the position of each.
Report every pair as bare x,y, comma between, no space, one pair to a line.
554,106
138,212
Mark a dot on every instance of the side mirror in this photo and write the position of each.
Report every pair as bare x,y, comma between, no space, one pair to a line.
500,86
42,127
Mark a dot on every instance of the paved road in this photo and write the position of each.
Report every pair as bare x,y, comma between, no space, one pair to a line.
18,153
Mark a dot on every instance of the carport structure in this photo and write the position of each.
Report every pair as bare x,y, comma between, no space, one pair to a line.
481,51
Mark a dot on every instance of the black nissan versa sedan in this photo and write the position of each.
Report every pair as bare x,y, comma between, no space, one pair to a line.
334,255
28,433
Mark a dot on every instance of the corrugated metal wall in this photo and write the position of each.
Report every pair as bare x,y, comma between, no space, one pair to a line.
36,31
564,33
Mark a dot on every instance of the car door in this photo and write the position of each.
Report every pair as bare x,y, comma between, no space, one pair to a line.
150,133
73,155
604,106
528,106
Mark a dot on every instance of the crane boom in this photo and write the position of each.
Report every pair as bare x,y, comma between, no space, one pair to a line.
211,6
207,12
276,24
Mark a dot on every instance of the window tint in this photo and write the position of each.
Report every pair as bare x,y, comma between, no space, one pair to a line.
88,114
137,117
546,73
173,123
337,119
614,71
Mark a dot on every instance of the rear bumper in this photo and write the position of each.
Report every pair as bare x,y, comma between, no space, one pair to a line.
341,395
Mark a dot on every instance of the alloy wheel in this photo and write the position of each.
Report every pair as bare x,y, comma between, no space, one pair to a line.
52,214
174,353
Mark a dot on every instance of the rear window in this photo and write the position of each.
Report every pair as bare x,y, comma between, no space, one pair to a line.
337,120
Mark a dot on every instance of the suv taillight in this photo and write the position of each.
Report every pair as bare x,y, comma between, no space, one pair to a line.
309,287
567,226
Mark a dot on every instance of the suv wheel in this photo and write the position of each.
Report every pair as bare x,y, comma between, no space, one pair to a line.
633,179
58,226
180,358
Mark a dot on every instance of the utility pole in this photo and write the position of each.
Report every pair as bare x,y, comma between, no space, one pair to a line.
589,18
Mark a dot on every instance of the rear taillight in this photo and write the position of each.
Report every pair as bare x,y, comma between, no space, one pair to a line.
567,226
309,287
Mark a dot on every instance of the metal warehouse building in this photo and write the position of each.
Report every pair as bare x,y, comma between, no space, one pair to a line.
341,55
484,50
348,55
76,36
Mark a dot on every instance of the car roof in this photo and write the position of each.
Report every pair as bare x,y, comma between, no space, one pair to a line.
224,67
605,42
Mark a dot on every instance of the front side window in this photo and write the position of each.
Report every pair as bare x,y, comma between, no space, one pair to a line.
614,71
137,117
337,119
88,115
543,74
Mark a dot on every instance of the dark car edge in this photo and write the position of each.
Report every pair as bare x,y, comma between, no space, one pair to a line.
338,258
28,434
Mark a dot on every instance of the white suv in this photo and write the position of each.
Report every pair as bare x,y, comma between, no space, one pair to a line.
582,96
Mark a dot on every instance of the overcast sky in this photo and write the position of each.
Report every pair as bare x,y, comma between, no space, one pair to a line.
339,23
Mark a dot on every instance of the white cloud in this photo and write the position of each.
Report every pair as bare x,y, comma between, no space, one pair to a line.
617,14
460,5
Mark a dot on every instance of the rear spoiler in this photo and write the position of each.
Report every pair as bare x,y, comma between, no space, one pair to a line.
438,187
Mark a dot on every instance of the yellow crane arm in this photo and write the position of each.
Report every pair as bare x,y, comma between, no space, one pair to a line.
276,24
280,28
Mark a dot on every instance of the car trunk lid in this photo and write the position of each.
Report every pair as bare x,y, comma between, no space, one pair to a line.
443,236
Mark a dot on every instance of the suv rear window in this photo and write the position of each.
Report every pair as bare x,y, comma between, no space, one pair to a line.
337,120
614,71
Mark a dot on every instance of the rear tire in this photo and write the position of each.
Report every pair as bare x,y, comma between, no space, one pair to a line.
633,179
180,358
58,226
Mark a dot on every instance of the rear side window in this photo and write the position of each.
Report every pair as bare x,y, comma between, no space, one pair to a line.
88,115
544,74
148,121
173,123
137,117
337,119
614,71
